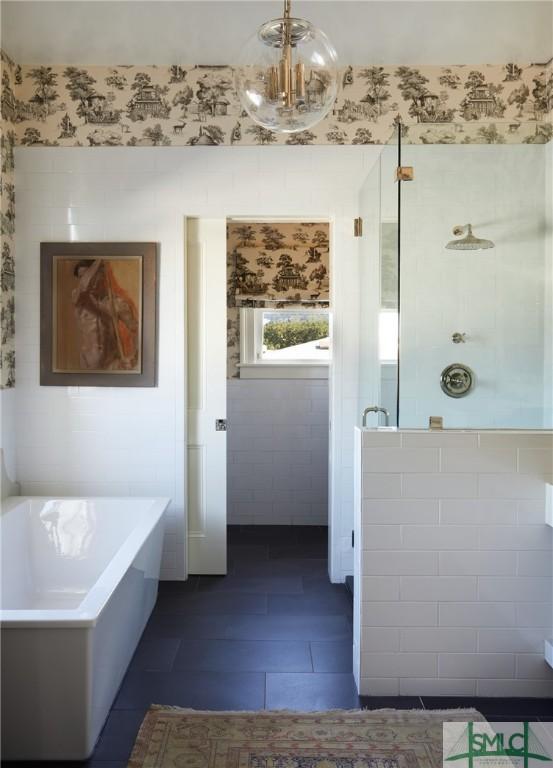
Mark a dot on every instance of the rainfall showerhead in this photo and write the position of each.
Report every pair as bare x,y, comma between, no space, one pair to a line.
469,242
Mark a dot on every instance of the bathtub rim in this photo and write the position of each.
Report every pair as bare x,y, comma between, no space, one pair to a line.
95,600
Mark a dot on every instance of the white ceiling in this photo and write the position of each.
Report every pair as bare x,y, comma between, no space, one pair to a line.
212,31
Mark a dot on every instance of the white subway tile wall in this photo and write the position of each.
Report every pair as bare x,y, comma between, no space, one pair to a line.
132,441
277,451
456,589
499,298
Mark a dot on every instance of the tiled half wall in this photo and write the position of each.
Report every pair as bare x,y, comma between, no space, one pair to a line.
278,451
453,563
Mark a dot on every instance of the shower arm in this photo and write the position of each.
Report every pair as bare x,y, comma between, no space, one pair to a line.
462,229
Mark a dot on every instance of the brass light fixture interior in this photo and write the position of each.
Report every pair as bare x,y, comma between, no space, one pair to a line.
286,83
287,76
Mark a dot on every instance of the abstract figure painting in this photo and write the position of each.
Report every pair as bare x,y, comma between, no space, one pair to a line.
98,314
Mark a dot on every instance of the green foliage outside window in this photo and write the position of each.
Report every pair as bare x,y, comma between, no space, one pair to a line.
288,333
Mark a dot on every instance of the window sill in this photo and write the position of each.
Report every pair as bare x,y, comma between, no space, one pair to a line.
283,370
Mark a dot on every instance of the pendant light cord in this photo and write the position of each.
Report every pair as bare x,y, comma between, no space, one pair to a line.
287,26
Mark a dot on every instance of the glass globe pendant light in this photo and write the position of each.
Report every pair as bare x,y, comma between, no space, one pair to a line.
287,75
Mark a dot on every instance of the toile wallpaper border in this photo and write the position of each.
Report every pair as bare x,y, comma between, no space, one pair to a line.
136,106
7,233
197,105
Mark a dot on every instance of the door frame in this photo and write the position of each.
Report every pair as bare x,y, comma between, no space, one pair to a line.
334,539
205,236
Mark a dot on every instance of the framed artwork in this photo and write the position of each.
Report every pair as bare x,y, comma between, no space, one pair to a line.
98,314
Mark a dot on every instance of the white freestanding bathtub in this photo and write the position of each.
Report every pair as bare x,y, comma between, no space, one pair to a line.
79,581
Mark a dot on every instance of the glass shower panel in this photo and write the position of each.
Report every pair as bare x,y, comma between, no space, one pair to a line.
476,304
379,311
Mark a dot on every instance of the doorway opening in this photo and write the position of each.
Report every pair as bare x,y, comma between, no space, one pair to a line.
278,357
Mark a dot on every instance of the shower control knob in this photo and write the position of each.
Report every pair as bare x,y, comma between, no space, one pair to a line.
457,380
458,338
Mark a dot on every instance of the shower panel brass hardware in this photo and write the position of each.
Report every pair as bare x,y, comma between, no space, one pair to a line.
457,380
358,227
405,173
459,338
435,422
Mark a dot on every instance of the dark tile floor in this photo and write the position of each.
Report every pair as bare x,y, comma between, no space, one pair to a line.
272,634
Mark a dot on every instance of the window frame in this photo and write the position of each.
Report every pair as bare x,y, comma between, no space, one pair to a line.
387,360
252,366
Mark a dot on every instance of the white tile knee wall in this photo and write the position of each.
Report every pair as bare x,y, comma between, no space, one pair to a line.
278,469
455,563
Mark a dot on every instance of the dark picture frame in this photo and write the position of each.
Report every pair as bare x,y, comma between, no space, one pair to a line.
96,331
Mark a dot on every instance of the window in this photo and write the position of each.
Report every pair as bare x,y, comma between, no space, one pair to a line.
388,319
388,329
284,343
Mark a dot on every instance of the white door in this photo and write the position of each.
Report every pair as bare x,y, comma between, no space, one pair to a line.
207,357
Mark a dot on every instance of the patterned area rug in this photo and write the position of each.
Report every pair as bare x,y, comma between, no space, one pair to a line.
386,738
